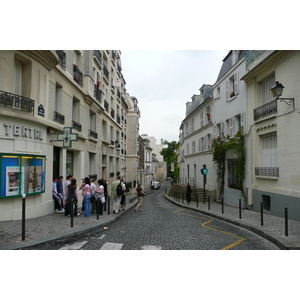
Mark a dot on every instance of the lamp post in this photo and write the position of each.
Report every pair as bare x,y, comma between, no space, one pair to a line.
277,90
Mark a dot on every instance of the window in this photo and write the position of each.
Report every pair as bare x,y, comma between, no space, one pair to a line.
266,85
21,174
58,94
75,111
193,147
187,148
233,180
232,86
269,146
266,202
201,120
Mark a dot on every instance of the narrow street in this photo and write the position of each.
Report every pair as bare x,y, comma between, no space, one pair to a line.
163,226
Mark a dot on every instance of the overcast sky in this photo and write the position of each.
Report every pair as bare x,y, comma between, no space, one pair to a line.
163,81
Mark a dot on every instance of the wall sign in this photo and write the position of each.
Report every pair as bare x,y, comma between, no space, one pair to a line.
67,137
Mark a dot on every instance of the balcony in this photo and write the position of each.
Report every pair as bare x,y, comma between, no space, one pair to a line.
61,58
265,110
76,126
112,113
16,102
97,93
93,134
270,171
98,55
59,118
118,119
77,75
106,105
106,73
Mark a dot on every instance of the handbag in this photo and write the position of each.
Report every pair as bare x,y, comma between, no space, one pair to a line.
102,199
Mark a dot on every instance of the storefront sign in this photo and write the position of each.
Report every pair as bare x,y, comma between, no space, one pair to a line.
67,137
23,131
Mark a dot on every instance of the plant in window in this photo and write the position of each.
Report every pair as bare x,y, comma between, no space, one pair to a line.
232,94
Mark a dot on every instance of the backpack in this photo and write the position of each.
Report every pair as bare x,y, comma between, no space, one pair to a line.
119,189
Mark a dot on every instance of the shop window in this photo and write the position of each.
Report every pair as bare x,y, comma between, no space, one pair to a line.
21,174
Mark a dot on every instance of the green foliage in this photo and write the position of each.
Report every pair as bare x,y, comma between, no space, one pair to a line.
170,156
220,146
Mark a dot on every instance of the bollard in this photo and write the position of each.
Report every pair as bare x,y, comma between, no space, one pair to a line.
178,196
240,208
23,215
108,205
197,198
222,205
182,197
97,207
286,221
261,214
208,199
72,212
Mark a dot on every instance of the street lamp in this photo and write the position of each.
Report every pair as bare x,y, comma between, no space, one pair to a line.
277,92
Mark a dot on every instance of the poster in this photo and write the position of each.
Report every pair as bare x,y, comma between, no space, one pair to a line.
14,181
37,185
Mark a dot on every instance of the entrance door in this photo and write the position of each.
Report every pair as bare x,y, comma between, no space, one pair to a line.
56,161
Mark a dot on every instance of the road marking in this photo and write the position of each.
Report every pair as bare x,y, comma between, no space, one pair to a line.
241,239
150,247
74,246
102,236
111,246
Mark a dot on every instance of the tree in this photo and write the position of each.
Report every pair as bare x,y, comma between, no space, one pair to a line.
170,156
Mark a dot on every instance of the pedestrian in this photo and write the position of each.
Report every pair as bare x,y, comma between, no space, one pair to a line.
68,181
58,204
188,193
99,195
72,198
116,196
105,183
60,190
123,198
93,187
87,192
82,197
140,194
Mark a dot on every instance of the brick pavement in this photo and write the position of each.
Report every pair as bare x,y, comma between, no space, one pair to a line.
273,227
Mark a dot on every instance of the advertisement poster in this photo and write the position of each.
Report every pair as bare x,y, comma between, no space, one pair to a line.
38,179
14,181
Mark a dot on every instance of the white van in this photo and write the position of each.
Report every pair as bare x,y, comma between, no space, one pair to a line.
156,185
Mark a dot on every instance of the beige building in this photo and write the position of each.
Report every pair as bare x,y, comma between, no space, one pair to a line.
62,112
273,142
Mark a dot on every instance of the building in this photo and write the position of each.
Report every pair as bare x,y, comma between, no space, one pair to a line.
62,112
273,141
196,133
230,118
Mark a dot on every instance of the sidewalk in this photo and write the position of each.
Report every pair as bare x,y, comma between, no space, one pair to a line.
54,226
273,227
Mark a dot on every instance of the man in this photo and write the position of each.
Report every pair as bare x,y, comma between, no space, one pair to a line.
57,200
115,197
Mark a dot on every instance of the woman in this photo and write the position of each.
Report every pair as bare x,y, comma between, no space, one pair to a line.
140,194
188,193
99,194
93,187
87,197
71,195
105,183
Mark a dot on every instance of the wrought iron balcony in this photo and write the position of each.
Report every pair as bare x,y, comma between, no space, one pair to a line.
76,126
93,134
61,58
16,101
59,118
106,72
98,55
118,119
112,113
265,110
270,171
77,76
97,93
106,105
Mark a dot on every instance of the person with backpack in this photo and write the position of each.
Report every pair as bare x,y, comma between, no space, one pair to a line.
117,192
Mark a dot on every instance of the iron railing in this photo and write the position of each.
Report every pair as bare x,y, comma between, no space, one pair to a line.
59,118
76,126
93,134
16,101
106,105
97,93
270,171
77,76
98,55
61,58
265,110
106,72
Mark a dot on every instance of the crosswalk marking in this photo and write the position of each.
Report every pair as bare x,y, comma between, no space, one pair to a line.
74,246
111,246
101,237
151,247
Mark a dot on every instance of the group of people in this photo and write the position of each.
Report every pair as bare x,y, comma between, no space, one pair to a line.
92,194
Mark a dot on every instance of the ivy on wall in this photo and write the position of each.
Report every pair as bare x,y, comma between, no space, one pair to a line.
220,146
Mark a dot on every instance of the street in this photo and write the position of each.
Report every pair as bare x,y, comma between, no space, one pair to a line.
163,226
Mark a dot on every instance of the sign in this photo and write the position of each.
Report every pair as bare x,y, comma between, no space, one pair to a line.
204,171
41,110
117,83
67,137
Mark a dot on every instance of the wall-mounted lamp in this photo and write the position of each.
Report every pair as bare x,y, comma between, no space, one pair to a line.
277,92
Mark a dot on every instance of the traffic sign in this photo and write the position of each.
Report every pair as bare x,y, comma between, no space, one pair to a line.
204,171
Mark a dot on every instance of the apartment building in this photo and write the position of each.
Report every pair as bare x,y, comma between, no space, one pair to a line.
273,141
62,112
196,134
